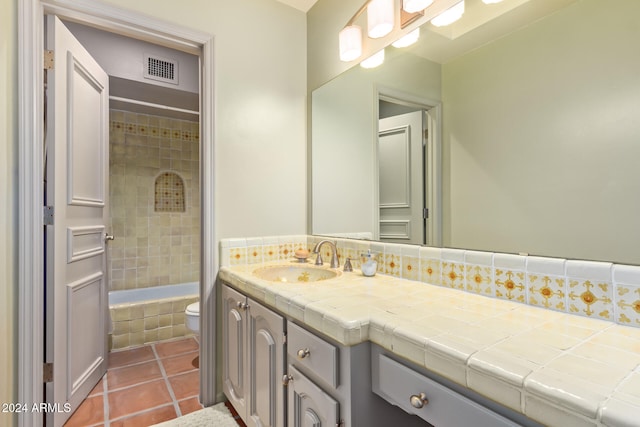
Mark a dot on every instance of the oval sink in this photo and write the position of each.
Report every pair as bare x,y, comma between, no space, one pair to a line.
294,273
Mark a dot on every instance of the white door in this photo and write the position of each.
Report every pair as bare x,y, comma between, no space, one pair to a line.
401,178
77,189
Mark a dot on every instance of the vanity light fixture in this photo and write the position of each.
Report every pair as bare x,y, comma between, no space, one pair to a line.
350,43
413,6
408,39
380,18
374,60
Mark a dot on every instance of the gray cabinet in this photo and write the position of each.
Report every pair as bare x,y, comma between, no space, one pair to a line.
253,359
416,392
329,384
309,405
234,343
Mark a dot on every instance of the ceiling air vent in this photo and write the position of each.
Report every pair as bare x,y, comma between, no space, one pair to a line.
160,69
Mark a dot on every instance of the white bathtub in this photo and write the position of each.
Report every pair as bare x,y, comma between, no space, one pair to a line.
131,296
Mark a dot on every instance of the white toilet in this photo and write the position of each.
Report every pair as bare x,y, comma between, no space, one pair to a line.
192,317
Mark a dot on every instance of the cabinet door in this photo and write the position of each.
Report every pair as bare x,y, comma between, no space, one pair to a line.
309,406
234,360
266,367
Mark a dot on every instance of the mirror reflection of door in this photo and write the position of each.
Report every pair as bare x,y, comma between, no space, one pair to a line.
401,174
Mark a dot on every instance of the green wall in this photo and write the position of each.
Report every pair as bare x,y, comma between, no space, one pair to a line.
541,137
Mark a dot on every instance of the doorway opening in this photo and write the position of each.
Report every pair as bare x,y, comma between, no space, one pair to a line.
31,254
408,169
154,188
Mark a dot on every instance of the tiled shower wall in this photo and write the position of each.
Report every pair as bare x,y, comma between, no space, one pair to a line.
152,248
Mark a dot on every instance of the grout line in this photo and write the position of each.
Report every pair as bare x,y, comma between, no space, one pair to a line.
105,400
113,368
137,384
143,411
166,381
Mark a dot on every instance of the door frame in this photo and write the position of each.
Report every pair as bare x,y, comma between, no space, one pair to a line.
31,299
433,153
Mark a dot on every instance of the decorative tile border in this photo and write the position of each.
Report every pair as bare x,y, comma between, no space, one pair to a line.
626,282
597,290
122,123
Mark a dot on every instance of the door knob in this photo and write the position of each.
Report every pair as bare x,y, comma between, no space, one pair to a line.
108,237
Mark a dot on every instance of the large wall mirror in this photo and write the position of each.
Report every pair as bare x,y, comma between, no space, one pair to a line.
534,110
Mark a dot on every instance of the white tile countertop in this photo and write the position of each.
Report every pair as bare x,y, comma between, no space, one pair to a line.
558,369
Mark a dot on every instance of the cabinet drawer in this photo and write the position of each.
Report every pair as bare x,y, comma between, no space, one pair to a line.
306,349
443,407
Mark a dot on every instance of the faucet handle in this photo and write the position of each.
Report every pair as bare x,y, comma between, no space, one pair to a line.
318,258
347,265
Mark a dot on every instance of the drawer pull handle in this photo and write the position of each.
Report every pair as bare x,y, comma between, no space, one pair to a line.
302,353
419,400
286,379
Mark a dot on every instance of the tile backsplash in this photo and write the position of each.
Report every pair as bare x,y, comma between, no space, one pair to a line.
591,289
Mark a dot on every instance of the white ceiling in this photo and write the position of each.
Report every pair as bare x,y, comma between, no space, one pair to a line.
303,5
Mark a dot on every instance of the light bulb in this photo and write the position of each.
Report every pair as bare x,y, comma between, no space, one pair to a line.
413,6
408,39
350,41
449,16
374,60
380,18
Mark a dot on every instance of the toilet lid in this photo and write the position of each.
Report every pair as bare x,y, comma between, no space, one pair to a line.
193,309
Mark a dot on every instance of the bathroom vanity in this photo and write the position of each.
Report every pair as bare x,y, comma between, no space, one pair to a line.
283,367
268,360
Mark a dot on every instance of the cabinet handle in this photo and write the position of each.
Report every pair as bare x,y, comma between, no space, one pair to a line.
418,400
286,379
242,305
302,353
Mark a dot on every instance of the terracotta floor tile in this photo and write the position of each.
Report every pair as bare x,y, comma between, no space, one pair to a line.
174,348
190,405
90,412
118,359
130,375
180,364
148,418
138,398
185,385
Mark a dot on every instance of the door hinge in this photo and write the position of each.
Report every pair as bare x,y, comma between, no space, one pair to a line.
426,134
425,213
284,338
47,372
48,60
47,215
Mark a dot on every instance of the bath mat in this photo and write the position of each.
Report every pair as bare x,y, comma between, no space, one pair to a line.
217,415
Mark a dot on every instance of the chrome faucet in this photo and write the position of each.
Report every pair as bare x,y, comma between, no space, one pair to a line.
334,253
